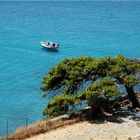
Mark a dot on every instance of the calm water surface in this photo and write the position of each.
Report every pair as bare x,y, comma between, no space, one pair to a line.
82,28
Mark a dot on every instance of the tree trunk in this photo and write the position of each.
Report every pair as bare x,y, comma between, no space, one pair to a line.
132,97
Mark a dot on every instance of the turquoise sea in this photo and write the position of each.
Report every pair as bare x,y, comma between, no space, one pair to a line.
97,29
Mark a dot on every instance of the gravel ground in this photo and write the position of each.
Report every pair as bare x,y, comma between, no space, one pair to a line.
120,129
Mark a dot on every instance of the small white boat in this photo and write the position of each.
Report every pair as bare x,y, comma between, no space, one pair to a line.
50,45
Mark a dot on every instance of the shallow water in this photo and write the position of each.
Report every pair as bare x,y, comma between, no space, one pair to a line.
82,28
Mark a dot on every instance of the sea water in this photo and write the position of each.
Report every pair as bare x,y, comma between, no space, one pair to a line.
97,29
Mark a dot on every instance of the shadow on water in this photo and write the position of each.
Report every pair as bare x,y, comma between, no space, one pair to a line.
50,51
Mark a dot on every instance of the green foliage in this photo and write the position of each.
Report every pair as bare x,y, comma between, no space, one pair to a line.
44,95
103,88
130,80
72,73
121,67
59,105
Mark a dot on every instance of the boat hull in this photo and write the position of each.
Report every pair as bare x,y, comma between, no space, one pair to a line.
53,49
49,47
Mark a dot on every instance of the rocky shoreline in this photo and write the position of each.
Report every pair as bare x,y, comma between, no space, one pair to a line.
124,120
